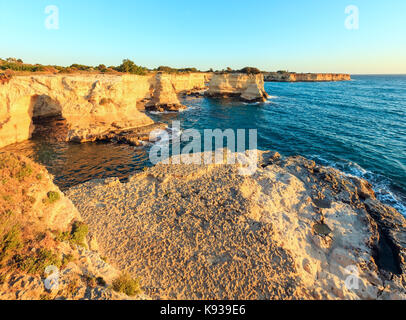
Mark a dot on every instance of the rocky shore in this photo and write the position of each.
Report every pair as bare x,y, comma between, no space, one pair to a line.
292,230
305,77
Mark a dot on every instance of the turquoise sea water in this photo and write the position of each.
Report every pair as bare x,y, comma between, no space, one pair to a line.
358,127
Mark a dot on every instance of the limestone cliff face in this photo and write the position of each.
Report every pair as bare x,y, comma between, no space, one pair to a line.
92,105
247,87
305,77
164,96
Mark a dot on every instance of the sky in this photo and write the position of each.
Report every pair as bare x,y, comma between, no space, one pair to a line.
294,35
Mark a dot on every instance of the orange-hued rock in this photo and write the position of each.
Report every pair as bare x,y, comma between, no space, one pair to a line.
305,77
92,105
247,87
164,97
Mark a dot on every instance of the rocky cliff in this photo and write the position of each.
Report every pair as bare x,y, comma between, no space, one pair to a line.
45,249
292,230
246,87
305,77
92,106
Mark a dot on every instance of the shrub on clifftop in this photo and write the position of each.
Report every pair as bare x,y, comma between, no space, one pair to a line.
129,66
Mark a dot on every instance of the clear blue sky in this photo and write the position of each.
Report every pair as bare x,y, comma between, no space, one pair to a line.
295,35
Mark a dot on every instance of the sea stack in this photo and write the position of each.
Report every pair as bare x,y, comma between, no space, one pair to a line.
246,87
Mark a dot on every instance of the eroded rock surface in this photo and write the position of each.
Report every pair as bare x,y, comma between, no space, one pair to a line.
305,77
292,230
246,87
92,106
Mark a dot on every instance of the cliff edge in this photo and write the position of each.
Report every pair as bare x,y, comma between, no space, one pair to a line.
45,249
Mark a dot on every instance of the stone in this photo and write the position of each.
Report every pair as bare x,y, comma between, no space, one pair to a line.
246,87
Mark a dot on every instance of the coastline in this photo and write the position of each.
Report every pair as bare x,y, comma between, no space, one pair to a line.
305,224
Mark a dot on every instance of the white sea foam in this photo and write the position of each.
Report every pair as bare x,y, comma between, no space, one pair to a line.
380,184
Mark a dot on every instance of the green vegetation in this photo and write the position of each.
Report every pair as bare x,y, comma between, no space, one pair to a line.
52,197
246,70
125,284
77,235
80,67
166,69
10,242
21,67
250,70
102,68
129,66
37,262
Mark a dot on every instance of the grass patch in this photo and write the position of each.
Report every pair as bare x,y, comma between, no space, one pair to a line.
11,242
126,284
36,263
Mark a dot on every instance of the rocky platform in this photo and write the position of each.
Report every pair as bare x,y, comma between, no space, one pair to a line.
292,230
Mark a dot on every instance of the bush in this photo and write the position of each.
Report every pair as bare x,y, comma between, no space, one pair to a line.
52,197
79,233
102,68
21,67
127,285
36,264
129,66
80,67
250,70
166,69
11,242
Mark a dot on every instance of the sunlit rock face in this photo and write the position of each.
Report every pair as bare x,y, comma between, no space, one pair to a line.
305,77
246,87
92,105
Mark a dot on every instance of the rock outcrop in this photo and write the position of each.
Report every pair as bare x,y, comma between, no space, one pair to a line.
45,252
92,106
305,77
164,97
246,87
292,230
